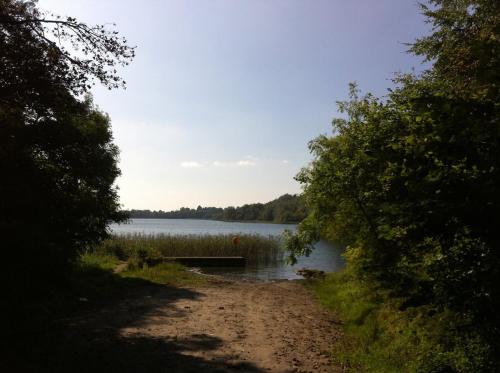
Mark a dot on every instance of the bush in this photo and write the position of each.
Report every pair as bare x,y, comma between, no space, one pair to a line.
380,337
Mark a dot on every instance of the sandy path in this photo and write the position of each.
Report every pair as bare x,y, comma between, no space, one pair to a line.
221,327
275,327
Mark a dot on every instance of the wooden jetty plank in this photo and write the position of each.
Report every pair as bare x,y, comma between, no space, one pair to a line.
209,261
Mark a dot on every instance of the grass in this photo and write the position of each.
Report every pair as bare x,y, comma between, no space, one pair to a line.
166,274
254,248
359,308
380,337
173,274
104,261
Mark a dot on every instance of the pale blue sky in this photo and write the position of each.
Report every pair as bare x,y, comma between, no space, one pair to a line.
224,96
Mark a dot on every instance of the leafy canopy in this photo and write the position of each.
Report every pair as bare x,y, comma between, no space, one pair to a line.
411,182
57,159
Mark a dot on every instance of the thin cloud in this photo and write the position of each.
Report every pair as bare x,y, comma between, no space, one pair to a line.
251,158
220,164
191,164
245,163
240,163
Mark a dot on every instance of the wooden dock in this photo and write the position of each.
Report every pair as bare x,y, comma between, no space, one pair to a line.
208,261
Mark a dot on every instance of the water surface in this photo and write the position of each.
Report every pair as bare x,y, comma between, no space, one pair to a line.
198,226
326,256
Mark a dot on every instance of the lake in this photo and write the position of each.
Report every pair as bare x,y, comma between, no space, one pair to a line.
327,256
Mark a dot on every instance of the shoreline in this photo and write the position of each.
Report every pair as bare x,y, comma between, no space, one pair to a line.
223,221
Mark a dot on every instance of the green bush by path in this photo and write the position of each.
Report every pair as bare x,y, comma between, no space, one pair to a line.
381,337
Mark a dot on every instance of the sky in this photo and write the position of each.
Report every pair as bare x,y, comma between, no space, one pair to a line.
224,95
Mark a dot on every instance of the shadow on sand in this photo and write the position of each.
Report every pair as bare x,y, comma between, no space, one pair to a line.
106,336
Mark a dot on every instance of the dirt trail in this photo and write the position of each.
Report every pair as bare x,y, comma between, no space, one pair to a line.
222,327
276,327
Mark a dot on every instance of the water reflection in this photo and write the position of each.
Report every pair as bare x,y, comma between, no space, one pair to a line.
326,257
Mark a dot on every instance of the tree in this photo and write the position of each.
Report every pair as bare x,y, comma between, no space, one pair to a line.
285,209
411,182
57,159
77,53
463,46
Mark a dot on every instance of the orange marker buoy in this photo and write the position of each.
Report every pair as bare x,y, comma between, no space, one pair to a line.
236,240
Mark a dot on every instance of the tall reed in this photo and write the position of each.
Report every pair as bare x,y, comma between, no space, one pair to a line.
253,247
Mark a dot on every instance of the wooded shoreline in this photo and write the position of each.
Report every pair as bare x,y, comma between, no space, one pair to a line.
287,209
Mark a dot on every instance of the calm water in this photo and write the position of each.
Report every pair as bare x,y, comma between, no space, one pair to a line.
326,256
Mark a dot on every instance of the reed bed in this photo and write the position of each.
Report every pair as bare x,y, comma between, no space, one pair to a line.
255,248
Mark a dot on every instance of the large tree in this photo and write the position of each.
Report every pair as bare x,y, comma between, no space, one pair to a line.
57,159
411,181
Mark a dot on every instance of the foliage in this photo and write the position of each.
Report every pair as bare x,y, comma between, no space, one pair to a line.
380,337
60,190
56,153
69,53
411,182
301,242
464,46
285,209
254,248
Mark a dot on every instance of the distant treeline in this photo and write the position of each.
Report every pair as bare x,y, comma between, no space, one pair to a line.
285,209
